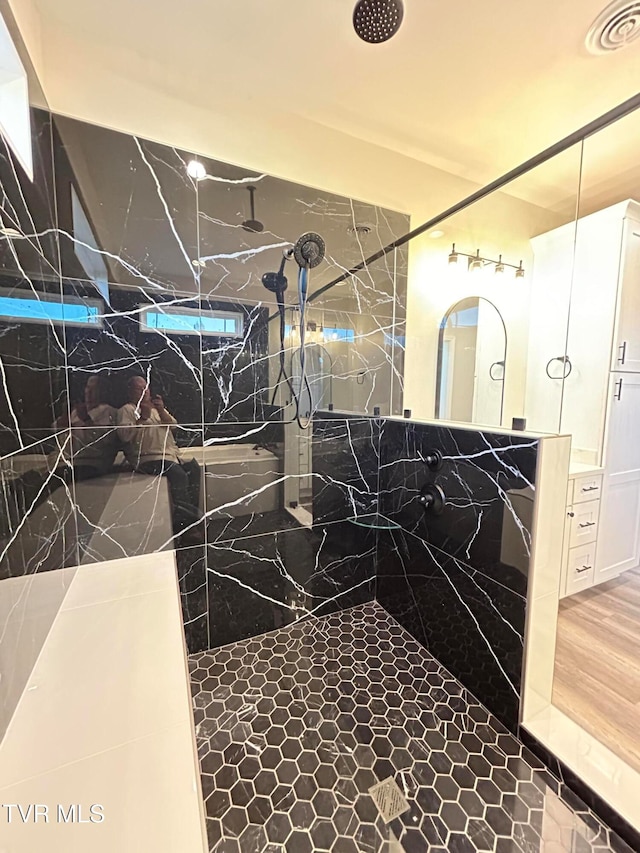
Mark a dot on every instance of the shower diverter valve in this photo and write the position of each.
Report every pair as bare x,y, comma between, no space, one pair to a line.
432,499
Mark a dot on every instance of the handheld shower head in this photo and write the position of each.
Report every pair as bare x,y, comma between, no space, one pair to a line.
309,250
376,21
276,282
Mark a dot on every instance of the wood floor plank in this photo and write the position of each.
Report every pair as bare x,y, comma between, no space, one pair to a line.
597,666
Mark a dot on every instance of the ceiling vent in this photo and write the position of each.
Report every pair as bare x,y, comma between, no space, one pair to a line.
615,27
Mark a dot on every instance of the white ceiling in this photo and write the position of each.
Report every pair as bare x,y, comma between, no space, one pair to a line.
473,88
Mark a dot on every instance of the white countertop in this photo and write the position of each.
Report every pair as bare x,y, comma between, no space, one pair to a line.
579,469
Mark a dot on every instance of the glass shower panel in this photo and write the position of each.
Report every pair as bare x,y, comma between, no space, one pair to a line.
501,253
603,341
347,360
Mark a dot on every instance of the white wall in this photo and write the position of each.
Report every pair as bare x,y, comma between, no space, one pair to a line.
111,86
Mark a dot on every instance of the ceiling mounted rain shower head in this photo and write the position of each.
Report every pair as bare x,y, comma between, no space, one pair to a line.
376,21
253,225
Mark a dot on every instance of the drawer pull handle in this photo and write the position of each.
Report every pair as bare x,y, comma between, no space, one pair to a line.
618,390
571,514
589,489
583,569
586,524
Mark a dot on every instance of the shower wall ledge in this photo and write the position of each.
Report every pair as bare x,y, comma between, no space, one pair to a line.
105,719
596,766
494,430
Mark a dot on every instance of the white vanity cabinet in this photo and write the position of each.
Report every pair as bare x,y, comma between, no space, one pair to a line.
619,546
626,351
581,529
600,391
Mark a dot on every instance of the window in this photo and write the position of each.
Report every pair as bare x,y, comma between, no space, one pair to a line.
347,335
15,120
394,340
31,307
192,321
324,334
86,247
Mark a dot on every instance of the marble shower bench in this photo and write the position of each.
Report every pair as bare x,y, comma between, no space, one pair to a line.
105,717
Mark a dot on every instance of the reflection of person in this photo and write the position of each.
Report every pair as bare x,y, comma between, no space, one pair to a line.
88,451
146,428
93,436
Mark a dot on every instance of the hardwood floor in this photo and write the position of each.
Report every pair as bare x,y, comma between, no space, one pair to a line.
597,667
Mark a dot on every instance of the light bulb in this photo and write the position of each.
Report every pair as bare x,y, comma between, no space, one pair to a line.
520,271
499,265
196,170
453,257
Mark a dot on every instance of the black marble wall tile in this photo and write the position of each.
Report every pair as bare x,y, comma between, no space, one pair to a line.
457,577
117,347
31,353
346,456
488,480
32,360
192,579
234,255
138,219
114,226
37,519
236,384
244,481
259,583
380,287
473,625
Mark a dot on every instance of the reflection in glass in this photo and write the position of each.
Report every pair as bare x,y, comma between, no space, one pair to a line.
146,429
472,352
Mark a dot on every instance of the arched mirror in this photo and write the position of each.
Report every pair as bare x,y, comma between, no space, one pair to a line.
472,353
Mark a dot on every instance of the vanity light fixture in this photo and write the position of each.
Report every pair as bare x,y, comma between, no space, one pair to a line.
196,170
475,262
478,262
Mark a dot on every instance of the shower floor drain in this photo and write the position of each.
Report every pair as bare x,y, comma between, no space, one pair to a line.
389,799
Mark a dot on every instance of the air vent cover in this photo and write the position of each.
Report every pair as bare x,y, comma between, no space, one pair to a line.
615,27
361,228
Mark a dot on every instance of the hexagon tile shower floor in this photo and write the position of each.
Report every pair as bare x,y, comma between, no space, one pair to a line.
295,727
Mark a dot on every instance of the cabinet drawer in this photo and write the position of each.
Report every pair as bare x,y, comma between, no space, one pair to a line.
580,568
587,488
583,523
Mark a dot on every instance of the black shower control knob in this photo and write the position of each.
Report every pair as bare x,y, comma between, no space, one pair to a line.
433,460
432,499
